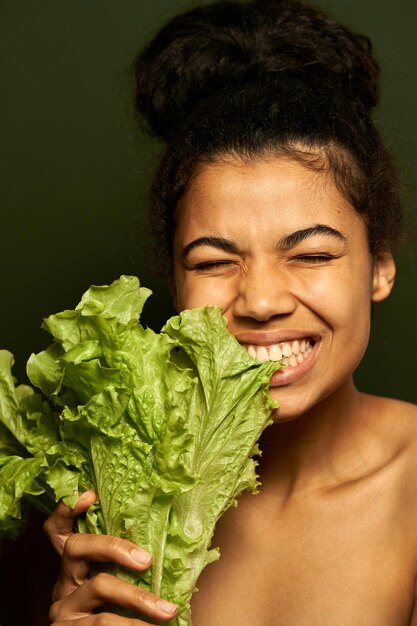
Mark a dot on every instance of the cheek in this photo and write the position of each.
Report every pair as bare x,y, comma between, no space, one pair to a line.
342,299
193,293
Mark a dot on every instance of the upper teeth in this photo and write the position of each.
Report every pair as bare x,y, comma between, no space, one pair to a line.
290,352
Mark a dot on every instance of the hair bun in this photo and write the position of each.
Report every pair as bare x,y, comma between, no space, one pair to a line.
228,44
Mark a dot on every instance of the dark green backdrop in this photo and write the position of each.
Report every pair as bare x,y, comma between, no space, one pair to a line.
74,178
73,184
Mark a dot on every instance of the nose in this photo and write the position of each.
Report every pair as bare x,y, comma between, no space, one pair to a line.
264,293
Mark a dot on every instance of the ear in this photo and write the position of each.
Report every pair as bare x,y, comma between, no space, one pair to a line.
384,275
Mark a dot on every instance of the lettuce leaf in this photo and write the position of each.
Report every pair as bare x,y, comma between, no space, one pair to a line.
162,426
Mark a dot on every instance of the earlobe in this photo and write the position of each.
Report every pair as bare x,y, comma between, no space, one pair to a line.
384,276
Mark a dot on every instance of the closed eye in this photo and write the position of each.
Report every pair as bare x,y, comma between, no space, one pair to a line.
314,258
210,265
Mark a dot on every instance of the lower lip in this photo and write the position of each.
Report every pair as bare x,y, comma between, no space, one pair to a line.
288,375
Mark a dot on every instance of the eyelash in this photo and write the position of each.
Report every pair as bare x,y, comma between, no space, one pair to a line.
314,258
307,258
211,265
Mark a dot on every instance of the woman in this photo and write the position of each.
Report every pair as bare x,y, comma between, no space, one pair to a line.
277,200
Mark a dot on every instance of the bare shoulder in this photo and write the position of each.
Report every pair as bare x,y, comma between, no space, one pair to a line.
398,423
401,417
394,427
397,420
396,416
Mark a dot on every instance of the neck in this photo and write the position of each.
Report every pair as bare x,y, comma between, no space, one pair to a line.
327,446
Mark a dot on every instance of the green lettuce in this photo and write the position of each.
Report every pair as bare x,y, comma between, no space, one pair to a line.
162,426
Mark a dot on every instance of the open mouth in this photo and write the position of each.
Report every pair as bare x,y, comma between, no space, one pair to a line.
290,353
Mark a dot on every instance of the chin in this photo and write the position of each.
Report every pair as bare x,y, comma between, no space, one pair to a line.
289,405
279,417
293,403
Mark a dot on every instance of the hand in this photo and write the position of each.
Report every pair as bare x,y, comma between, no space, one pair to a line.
76,595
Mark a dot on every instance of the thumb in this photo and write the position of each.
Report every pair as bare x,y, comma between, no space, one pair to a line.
60,525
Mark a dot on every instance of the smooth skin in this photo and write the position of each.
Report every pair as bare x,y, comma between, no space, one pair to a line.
331,538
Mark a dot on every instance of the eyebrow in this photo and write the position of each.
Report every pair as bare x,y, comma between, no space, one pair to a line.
293,239
287,241
215,242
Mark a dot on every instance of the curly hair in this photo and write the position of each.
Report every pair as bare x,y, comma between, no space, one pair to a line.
261,78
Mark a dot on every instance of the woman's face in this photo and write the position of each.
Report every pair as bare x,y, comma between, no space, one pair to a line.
286,257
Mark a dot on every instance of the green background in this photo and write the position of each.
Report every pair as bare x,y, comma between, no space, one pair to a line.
74,174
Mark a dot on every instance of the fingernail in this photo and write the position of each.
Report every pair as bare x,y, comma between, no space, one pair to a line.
166,607
141,556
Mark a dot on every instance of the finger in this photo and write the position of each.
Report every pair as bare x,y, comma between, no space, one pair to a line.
105,588
82,549
102,619
60,525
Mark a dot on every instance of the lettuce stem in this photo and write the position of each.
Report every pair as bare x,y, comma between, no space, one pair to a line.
159,555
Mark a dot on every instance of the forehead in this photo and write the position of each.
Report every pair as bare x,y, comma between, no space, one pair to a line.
275,195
